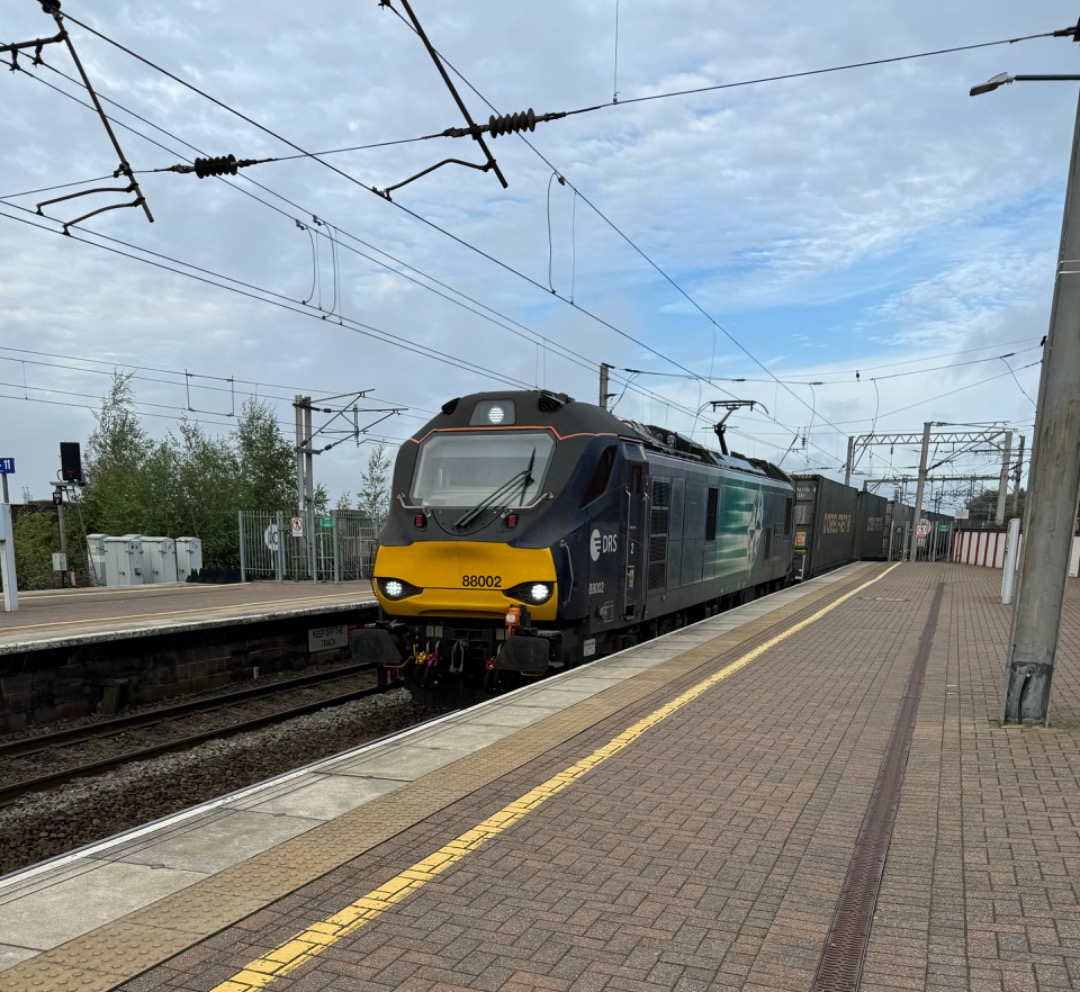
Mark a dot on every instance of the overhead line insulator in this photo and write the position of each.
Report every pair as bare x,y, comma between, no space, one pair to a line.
526,120
219,165
512,123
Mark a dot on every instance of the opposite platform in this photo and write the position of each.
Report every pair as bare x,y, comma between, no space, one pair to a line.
686,822
62,617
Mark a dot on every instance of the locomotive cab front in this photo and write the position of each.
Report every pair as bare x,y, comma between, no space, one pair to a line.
461,539
484,563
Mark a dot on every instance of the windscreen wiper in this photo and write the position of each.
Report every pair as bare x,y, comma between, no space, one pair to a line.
524,477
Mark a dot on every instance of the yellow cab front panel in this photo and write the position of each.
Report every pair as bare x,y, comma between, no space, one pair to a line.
465,579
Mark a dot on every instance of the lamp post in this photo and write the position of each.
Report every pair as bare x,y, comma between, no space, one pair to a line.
1054,480
1003,79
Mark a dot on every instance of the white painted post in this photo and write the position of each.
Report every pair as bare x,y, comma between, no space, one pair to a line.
1012,548
7,560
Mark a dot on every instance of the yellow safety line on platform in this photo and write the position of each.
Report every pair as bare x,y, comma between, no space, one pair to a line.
319,936
207,611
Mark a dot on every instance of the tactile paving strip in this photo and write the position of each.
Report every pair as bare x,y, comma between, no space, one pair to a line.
840,967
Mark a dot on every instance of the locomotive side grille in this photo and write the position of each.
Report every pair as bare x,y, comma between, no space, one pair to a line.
657,562
658,534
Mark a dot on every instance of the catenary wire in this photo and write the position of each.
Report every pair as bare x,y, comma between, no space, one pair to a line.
437,227
722,86
252,291
424,220
503,321
540,340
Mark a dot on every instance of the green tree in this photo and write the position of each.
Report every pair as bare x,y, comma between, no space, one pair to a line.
116,496
208,495
37,538
983,506
190,484
374,495
320,498
267,461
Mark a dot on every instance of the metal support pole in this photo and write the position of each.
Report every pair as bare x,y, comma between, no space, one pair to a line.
913,543
279,556
1003,482
3,481
848,466
63,536
337,546
309,456
298,403
604,367
1016,477
309,493
243,545
1053,488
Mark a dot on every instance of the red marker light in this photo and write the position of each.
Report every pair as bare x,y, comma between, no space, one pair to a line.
420,520
511,520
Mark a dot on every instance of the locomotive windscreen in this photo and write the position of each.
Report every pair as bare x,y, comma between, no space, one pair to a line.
463,469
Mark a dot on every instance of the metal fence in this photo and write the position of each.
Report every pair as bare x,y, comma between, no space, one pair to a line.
321,547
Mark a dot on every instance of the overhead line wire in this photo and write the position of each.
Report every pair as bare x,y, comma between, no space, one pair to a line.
184,376
632,244
841,382
315,156
411,213
303,153
530,335
252,291
815,72
415,215
539,340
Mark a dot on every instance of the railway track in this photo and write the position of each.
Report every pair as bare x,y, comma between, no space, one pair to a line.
170,721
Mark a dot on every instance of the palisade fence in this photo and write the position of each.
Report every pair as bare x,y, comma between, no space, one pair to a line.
337,546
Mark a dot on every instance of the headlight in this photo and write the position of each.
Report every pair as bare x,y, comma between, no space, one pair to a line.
533,593
397,588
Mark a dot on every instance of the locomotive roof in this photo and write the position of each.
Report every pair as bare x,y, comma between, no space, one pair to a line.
566,417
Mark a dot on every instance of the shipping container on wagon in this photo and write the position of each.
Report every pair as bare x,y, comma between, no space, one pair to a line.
870,533
824,525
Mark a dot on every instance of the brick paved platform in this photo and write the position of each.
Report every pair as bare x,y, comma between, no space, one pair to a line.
692,829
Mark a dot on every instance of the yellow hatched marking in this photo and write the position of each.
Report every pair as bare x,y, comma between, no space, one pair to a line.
307,945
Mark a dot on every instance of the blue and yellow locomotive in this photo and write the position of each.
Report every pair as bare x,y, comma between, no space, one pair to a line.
529,532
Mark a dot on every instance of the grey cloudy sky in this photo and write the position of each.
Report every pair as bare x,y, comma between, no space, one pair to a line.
799,229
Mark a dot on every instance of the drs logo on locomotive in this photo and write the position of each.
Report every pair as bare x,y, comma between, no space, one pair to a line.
602,544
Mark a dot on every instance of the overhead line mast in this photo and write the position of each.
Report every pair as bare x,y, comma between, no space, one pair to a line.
52,8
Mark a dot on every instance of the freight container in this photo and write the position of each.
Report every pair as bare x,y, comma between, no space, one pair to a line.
824,525
870,535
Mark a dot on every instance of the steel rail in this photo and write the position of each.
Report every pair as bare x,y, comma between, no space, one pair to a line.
9,793
104,728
